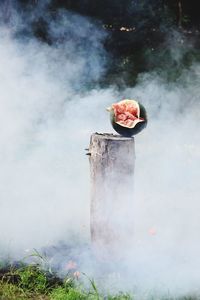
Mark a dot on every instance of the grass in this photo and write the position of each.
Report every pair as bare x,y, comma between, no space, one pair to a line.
24,282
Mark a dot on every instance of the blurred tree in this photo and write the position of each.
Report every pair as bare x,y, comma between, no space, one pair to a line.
137,29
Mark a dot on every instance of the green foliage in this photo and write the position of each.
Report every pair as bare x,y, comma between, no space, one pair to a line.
78,294
94,287
31,278
26,282
61,293
11,292
39,260
121,296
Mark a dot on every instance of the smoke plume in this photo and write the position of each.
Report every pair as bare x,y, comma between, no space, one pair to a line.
50,103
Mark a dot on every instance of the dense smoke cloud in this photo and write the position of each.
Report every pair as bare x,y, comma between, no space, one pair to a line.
166,181
44,125
47,116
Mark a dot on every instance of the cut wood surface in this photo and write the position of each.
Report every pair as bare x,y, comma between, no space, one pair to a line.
112,160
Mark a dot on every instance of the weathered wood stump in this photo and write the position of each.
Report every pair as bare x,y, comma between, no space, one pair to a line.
112,160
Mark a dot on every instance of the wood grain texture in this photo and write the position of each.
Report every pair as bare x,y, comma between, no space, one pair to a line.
112,160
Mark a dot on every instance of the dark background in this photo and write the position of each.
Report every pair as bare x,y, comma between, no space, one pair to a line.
140,35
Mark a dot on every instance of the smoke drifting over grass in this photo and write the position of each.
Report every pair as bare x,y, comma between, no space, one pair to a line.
46,118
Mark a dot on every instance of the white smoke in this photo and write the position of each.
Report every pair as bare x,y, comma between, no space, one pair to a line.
167,184
45,126
46,118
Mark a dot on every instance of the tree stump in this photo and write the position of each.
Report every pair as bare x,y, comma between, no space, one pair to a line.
112,160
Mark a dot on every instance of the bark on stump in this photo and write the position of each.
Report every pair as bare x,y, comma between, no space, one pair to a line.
112,160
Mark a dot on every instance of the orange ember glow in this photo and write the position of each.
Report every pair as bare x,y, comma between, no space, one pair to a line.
152,231
77,274
71,265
